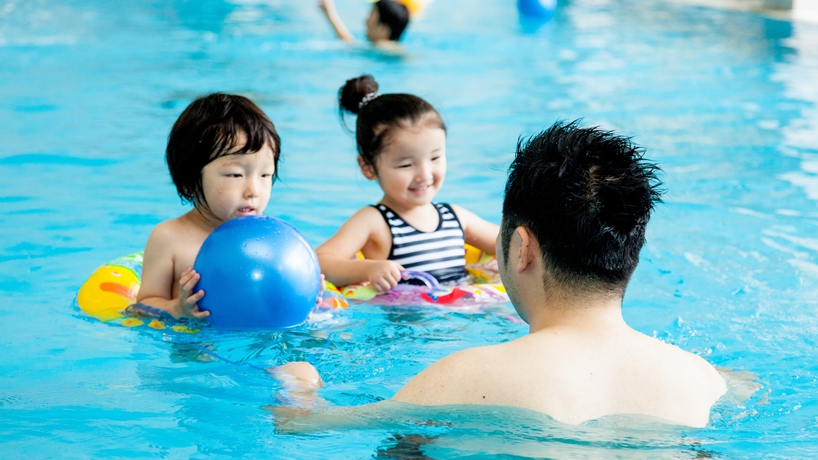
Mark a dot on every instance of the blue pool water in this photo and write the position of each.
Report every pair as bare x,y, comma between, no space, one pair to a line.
726,102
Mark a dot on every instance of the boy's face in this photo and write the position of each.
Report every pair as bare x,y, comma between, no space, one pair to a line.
238,185
375,30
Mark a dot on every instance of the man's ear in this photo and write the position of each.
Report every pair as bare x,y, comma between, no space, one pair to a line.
527,250
366,169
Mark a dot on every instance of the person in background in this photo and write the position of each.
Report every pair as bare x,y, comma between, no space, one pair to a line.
384,27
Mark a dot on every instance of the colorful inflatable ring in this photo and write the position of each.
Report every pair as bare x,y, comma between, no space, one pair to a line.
486,288
109,295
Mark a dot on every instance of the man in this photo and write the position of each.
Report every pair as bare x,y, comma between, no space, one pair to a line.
576,205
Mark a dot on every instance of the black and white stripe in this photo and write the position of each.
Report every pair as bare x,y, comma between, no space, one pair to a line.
439,253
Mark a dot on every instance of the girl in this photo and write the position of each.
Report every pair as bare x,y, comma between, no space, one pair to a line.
401,144
223,157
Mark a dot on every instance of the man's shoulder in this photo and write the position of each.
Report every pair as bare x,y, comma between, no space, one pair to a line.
470,360
454,379
676,355
691,372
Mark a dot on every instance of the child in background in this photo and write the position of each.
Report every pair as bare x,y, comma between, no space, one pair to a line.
384,26
223,156
401,144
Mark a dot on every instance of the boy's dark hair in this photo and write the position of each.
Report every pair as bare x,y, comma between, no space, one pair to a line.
393,15
208,129
586,195
379,115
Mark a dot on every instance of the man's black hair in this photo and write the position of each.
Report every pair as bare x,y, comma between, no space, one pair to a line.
393,15
208,129
586,194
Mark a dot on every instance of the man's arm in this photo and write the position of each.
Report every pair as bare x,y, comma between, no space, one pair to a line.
444,382
328,6
303,411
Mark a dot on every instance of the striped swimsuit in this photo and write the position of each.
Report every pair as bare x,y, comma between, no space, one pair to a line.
439,253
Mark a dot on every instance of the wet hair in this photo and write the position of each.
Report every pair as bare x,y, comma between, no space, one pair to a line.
586,195
394,15
208,129
380,115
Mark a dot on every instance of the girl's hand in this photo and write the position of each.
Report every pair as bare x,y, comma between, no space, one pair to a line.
187,303
383,275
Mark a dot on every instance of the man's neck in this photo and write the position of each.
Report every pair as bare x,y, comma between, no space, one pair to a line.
586,314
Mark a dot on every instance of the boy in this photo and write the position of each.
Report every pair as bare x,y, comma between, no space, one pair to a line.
223,157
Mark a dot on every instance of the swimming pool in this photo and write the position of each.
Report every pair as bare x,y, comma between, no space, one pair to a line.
726,102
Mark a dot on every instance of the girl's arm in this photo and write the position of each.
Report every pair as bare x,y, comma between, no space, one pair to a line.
328,6
337,255
158,278
479,233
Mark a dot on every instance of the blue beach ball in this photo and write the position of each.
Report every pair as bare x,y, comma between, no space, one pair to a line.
537,9
257,272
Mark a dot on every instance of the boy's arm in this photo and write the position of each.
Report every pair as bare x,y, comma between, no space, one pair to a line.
337,255
328,6
158,277
479,233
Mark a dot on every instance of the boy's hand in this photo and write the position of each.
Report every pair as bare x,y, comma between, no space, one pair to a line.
187,303
384,275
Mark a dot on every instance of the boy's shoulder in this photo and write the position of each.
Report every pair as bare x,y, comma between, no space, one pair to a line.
168,229
171,231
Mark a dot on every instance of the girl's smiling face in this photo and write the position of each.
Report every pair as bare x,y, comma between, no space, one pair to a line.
411,167
237,185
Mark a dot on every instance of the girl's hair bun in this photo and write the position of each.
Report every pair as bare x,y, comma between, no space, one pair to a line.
379,115
353,92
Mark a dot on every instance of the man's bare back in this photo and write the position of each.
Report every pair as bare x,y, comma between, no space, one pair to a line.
576,375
